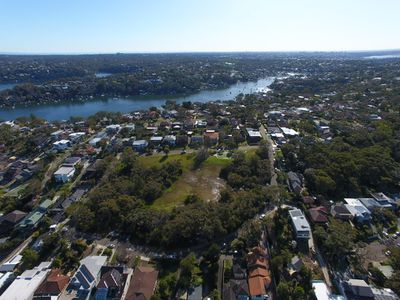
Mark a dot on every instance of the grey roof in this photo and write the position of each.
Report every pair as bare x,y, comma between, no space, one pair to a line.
196,293
384,294
299,221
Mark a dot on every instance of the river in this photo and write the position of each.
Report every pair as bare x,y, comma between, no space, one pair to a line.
6,86
63,111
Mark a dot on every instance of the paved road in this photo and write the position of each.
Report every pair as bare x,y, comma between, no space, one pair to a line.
321,263
271,154
17,250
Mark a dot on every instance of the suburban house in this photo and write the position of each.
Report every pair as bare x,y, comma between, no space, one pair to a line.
112,283
156,140
57,135
359,212
94,142
25,285
112,129
52,286
140,145
370,203
10,265
143,284
85,278
11,219
64,174
300,224
295,265
322,292
195,293
384,201
197,139
34,217
72,161
236,290
62,145
295,182
318,215
253,136
170,140
76,136
340,211
211,137
5,280
259,278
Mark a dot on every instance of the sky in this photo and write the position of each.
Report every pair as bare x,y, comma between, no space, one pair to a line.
110,26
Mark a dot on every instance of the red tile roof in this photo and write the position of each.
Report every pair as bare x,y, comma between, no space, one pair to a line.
318,214
54,284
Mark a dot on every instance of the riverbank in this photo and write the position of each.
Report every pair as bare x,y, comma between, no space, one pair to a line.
63,111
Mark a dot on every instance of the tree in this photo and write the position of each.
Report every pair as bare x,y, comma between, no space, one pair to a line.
283,291
30,258
212,253
263,150
298,293
201,156
79,246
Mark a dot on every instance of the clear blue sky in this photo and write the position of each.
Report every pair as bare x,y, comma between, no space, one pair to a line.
98,26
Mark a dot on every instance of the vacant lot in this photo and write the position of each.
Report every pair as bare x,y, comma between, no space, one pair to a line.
203,182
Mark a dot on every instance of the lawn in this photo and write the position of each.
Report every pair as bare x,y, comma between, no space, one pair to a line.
203,182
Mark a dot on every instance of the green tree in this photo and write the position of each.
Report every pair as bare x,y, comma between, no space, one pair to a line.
283,291
30,258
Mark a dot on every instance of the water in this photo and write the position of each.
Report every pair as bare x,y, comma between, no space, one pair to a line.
383,56
63,111
6,86
102,74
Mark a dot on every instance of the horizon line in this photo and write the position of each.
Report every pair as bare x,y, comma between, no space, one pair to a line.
195,52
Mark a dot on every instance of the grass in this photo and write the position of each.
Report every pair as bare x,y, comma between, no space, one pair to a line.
155,160
203,182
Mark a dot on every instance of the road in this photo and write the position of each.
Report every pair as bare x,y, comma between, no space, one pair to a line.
17,250
53,167
321,263
271,154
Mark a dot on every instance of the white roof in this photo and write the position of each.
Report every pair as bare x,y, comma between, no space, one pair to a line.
5,278
289,131
322,293
25,285
11,264
61,142
356,207
63,170
77,134
299,221
94,263
156,138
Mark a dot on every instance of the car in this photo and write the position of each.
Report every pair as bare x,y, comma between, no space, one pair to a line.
183,152
111,246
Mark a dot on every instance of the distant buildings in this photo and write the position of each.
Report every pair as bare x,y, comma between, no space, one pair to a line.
253,136
62,145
